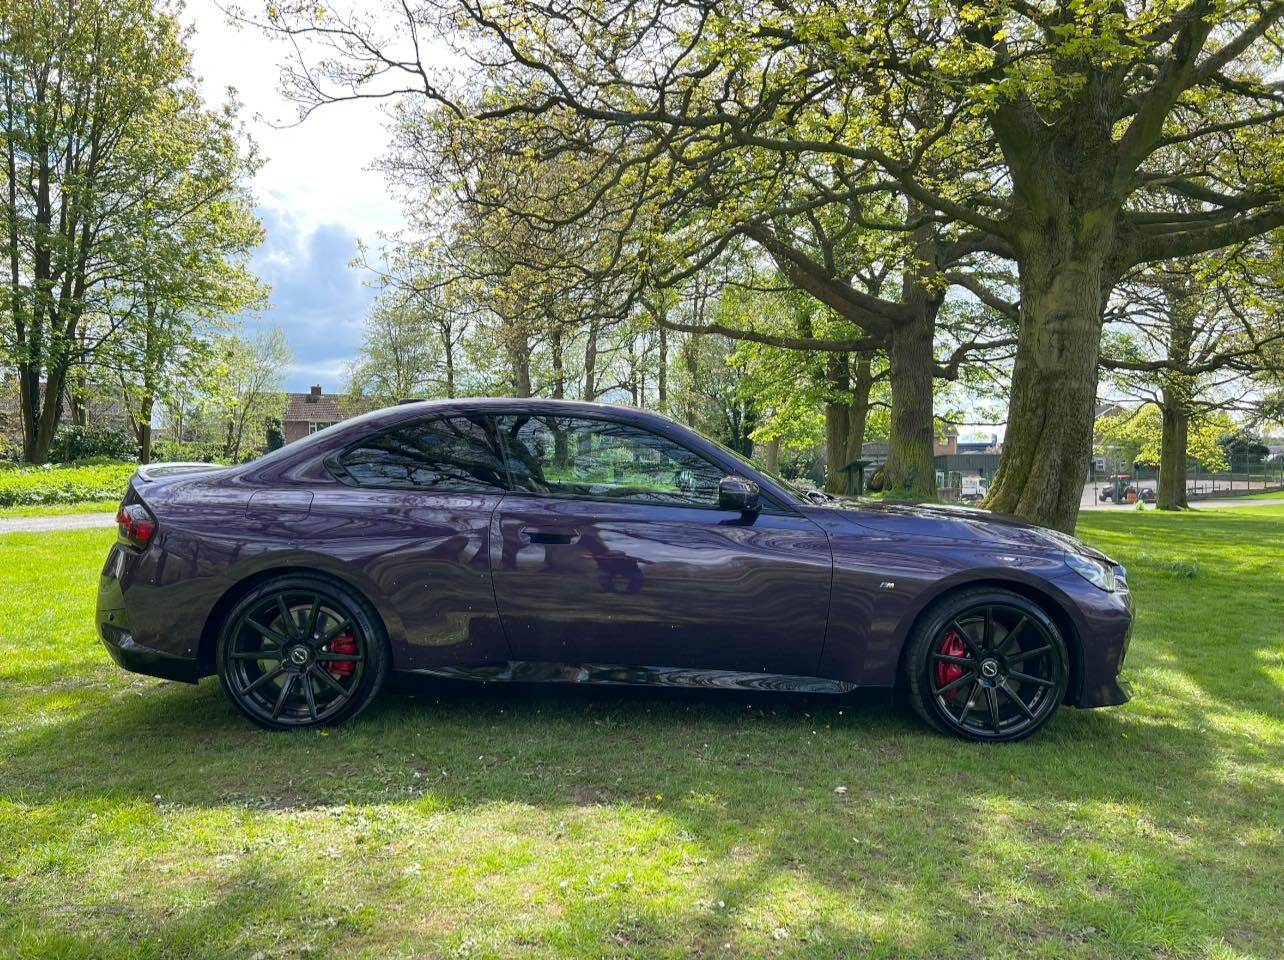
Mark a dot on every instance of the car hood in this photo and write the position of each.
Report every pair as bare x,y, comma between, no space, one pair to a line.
966,524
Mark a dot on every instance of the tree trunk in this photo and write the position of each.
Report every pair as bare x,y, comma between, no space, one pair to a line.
837,421
559,375
1054,386
771,455
1176,394
858,411
145,429
910,471
590,364
1172,455
633,371
448,346
521,361
691,362
46,424
662,386
76,393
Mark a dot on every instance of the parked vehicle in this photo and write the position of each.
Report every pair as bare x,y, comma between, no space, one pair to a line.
507,540
1124,489
974,488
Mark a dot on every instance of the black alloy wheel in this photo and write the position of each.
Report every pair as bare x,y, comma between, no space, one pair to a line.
302,651
987,665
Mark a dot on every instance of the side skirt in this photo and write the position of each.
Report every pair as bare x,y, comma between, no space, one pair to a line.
540,671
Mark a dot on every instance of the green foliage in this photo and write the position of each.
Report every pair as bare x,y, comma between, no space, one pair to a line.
195,451
131,226
244,392
1141,433
64,484
407,344
1243,447
75,442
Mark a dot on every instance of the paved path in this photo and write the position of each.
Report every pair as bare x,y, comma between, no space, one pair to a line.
65,521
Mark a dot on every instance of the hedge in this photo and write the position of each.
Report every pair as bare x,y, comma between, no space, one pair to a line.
24,486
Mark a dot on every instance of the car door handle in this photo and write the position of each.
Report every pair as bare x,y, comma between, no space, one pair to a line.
549,536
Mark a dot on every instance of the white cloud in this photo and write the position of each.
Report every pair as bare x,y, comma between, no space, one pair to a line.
317,170
317,197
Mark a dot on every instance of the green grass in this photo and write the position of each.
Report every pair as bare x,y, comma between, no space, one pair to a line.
144,819
61,509
1270,495
59,484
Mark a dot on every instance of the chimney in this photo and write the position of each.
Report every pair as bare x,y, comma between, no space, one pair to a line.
315,393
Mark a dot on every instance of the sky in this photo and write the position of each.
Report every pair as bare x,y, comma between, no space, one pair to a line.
316,197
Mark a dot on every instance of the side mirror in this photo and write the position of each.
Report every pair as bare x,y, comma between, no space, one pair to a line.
738,493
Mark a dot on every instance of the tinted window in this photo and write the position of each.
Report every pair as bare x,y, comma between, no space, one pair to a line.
452,453
603,460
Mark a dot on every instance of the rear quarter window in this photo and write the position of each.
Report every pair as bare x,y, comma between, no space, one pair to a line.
440,453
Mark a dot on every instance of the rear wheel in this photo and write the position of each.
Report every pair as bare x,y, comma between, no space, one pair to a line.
302,651
987,664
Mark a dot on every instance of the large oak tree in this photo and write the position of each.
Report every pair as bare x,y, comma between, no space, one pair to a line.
1091,127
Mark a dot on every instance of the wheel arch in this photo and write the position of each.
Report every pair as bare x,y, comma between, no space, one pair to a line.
1052,605
230,596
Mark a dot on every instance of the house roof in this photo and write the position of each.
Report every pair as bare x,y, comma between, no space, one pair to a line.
307,408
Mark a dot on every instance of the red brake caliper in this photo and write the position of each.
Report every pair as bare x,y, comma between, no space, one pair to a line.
343,643
951,646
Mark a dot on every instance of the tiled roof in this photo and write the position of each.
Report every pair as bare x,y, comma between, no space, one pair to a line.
322,409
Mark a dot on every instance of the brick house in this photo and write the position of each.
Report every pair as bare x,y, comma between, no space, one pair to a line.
306,413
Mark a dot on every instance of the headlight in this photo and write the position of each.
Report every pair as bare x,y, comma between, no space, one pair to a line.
1100,575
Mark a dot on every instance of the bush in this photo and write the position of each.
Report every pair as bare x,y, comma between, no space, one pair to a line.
28,486
75,443
169,451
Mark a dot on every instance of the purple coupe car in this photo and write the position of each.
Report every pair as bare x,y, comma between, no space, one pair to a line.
529,540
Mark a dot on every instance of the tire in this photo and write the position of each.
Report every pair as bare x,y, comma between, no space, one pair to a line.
302,651
993,677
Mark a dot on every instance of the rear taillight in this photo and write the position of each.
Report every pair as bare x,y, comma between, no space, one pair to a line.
135,524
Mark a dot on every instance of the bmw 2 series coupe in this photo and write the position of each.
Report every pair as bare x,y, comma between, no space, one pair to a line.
527,540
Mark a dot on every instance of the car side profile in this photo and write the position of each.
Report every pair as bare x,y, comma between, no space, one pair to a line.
532,540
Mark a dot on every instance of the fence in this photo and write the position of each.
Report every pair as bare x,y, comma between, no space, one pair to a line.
1242,478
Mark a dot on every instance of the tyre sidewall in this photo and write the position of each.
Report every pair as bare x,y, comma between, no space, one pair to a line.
932,625
355,605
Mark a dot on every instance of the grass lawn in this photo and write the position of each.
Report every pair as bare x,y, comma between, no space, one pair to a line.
1272,495
142,819
59,509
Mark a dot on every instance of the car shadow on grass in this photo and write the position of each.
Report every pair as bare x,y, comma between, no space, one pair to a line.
854,823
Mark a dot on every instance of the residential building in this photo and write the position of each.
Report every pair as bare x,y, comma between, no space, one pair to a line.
306,413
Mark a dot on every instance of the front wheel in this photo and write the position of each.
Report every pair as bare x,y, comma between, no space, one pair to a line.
987,664
302,651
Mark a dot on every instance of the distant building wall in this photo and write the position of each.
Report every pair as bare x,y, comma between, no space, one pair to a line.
306,413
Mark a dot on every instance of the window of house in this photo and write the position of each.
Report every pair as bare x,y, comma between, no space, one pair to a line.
315,425
454,453
605,460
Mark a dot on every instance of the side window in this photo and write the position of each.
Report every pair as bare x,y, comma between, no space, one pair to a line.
604,460
453,453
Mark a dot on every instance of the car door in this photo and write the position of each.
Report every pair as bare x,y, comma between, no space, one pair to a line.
413,515
611,549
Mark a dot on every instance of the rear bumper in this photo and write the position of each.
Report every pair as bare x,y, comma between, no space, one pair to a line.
139,659
114,630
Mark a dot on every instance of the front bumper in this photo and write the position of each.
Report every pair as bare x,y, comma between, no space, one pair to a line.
114,630
1109,632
